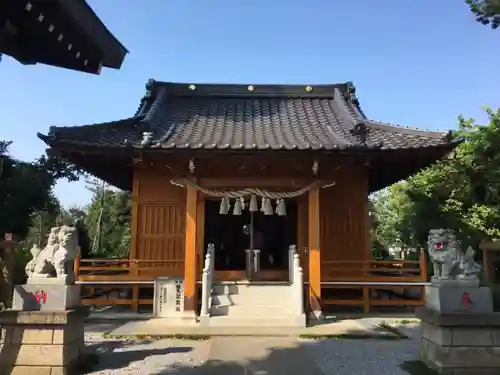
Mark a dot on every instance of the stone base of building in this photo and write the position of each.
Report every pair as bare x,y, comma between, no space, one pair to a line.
41,342
460,344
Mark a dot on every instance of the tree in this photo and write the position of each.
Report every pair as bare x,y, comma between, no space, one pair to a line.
462,192
26,188
108,222
487,11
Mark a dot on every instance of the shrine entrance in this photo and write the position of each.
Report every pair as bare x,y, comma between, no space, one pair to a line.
241,236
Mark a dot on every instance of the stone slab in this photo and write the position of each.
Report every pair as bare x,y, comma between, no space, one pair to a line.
48,297
39,355
63,280
472,282
454,299
450,357
464,319
15,317
168,297
170,327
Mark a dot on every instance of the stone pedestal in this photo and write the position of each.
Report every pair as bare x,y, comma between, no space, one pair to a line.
449,298
45,297
41,342
460,331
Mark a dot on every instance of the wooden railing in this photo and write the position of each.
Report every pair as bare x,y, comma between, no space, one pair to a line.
368,278
108,282
104,281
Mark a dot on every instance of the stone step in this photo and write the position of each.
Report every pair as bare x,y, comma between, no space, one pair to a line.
251,311
271,290
260,321
248,300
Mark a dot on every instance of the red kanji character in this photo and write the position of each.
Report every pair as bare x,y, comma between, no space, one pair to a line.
466,300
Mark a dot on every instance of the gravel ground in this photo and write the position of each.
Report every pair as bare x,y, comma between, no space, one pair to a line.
363,357
146,357
331,356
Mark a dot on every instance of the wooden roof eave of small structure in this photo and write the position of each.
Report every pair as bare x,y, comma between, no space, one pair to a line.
63,33
239,119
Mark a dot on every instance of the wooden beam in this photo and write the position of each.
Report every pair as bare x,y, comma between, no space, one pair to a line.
242,182
190,250
314,253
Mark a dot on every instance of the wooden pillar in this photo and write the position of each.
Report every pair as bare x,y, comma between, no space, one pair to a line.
190,250
314,253
200,235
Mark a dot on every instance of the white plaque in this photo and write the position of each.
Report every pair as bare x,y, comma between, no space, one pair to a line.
169,297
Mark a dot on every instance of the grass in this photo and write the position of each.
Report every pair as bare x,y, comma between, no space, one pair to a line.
393,330
349,336
156,337
417,368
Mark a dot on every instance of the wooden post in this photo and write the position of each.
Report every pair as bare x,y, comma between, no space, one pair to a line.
134,271
190,250
424,273
200,235
314,253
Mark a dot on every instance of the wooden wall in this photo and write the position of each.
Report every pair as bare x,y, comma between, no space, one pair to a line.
159,215
344,227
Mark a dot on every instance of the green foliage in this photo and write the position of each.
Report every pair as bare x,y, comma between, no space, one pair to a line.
462,192
24,188
487,11
108,223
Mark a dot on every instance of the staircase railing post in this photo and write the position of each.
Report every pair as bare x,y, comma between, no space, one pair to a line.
206,282
292,250
298,284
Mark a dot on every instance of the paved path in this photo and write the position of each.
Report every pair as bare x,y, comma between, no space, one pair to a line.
257,356
364,327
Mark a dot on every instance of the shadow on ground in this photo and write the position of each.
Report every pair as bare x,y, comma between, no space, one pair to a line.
107,358
273,356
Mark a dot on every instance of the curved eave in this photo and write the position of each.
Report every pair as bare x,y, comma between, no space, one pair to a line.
110,164
391,166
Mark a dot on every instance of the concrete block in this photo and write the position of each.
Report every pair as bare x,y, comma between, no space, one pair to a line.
30,370
471,337
496,336
63,280
468,357
437,335
475,371
458,299
49,297
28,335
39,355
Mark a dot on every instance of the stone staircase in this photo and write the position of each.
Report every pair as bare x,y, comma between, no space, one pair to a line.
253,304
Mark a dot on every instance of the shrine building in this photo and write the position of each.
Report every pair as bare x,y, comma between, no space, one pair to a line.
252,167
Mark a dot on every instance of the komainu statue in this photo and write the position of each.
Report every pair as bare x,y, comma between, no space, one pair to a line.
448,261
56,258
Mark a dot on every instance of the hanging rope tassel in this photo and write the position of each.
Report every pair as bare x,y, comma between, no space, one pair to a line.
254,205
263,205
242,200
237,207
224,206
281,207
268,207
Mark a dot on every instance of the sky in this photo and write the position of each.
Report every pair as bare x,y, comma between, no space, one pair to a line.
416,63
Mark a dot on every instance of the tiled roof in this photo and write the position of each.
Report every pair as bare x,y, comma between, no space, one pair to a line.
267,117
